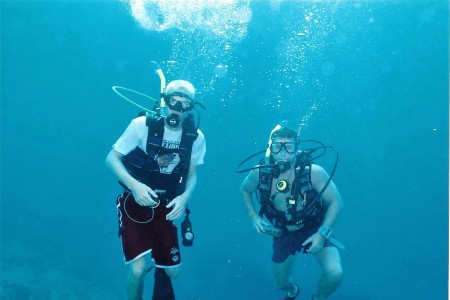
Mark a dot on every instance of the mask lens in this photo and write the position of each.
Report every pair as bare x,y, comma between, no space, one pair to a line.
276,147
180,105
288,146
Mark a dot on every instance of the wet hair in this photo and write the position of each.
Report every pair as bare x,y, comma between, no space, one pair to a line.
181,86
285,132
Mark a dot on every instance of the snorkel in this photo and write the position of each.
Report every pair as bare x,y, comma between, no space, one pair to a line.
177,98
269,144
162,108
173,120
162,79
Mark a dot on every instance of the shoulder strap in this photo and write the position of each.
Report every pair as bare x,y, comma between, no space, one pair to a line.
302,182
155,134
188,138
264,187
190,133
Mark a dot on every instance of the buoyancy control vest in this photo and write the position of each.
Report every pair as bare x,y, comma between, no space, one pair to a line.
144,166
302,193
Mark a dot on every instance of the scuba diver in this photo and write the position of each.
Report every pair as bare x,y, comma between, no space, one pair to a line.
299,206
155,161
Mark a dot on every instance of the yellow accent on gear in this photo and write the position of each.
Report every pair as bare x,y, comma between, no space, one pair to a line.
163,86
281,185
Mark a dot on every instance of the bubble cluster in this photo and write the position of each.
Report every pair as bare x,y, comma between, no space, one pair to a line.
226,18
203,34
298,66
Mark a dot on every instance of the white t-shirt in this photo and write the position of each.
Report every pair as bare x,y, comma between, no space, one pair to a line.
136,136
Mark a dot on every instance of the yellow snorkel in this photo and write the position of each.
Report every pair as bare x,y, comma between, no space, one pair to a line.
162,79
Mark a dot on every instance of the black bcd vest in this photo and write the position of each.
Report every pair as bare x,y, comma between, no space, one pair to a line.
144,167
301,193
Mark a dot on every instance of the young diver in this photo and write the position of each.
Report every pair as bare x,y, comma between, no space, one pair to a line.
155,160
302,204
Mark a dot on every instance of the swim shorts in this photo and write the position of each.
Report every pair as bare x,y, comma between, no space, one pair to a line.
291,242
144,230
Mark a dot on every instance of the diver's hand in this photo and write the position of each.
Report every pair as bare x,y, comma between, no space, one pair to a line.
179,205
143,195
258,223
317,240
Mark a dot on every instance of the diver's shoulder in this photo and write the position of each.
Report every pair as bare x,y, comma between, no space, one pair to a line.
318,172
316,168
140,120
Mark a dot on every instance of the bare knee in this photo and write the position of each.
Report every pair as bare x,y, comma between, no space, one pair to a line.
137,270
173,272
334,274
330,261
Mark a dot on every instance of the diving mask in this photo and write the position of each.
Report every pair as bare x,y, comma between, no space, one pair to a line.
179,102
276,147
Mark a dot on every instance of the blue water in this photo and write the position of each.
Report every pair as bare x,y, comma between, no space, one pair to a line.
369,78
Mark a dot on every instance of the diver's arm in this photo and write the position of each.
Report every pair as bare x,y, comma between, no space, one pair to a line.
191,181
140,191
334,203
179,203
248,187
330,196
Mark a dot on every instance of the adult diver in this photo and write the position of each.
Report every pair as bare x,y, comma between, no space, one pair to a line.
299,204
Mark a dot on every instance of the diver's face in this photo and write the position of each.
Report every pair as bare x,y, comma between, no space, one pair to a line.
283,149
178,108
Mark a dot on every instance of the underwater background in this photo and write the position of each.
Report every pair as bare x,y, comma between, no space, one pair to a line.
367,77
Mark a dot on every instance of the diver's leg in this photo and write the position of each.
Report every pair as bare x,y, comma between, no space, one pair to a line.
330,262
135,280
162,289
167,257
282,276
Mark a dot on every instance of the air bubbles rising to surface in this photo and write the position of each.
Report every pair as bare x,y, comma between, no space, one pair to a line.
221,70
